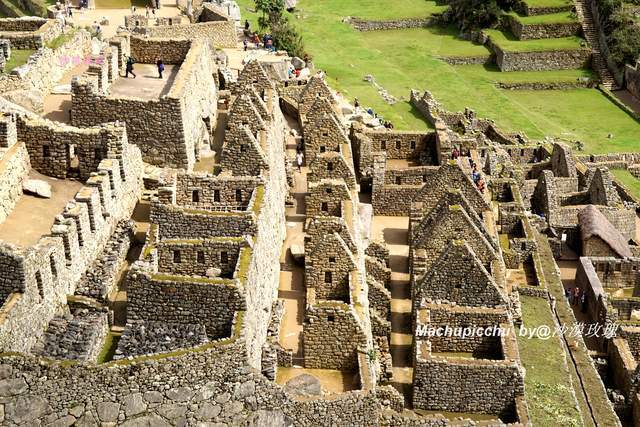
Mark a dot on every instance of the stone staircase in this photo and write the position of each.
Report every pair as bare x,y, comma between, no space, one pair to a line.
583,10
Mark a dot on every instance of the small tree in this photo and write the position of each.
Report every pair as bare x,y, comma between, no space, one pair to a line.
273,19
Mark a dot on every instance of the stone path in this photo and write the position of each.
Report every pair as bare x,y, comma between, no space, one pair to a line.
146,85
583,10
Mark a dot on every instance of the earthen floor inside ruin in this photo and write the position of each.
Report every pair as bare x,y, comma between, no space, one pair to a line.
32,217
331,381
57,105
146,85
292,290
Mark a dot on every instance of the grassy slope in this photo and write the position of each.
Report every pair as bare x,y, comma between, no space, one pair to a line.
630,182
404,59
509,43
547,386
18,57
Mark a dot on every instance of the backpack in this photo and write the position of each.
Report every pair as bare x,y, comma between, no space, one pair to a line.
161,67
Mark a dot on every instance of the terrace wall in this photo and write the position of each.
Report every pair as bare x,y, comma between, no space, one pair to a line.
540,31
221,34
540,61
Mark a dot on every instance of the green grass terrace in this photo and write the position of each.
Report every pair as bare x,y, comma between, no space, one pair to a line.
551,18
548,3
630,182
508,42
18,57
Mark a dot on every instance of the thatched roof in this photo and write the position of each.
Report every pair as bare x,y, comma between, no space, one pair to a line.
593,223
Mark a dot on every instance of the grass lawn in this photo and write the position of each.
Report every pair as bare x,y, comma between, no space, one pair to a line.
18,57
509,43
551,18
401,60
548,389
548,3
630,182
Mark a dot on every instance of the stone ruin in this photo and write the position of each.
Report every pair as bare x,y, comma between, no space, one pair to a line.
158,294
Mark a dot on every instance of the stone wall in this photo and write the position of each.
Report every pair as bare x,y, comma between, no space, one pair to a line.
540,61
176,223
30,32
328,267
397,24
14,166
208,192
467,385
209,385
53,148
149,50
617,273
332,336
169,130
540,31
221,34
181,299
195,257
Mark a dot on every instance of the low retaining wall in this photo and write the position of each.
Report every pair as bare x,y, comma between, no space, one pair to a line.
539,31
395,24
467,60
586,83
540,61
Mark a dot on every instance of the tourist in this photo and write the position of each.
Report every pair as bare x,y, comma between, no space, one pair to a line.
129,68
256,40
160,66
270,46
455,153
356,103
245,44
146,11
299,160
157,4
475,175
480,185
568,293
246,25
576,296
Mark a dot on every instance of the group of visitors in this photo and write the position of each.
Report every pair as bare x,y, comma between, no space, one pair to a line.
266,41
576,296
131,61
476,176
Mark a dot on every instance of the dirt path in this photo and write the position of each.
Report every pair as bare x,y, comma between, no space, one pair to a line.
394,231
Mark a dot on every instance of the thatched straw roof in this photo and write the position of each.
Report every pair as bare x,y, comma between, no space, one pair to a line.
593,223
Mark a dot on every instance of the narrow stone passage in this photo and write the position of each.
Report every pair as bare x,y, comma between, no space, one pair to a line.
394,231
